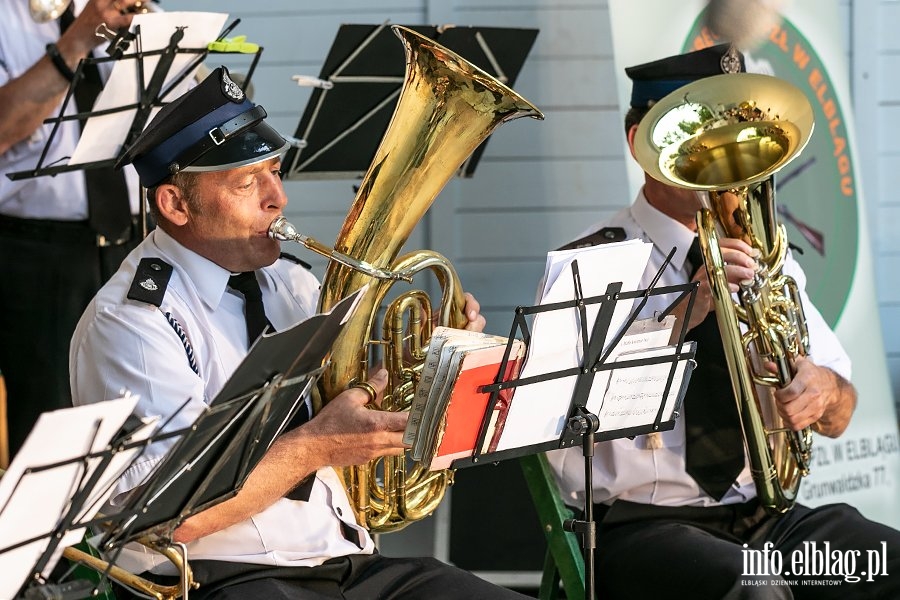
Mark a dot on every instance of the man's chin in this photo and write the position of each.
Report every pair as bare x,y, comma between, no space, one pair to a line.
272,253
268,259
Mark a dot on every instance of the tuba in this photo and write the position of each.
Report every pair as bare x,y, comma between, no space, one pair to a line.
446,109
728,135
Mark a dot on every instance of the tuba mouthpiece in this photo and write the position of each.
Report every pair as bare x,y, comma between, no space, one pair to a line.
282,230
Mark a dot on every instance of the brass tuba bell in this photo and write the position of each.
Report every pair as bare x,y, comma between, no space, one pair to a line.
728,135
446,109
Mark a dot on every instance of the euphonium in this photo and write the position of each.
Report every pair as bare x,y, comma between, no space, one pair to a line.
446,109
728,135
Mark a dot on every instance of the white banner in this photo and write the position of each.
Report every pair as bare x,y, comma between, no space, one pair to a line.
820,199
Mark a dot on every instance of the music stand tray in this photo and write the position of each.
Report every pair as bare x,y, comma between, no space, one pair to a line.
349,110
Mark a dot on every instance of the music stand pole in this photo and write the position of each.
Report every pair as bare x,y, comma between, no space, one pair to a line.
586,424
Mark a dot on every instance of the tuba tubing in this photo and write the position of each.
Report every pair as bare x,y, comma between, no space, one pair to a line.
282,230
139,584
776,471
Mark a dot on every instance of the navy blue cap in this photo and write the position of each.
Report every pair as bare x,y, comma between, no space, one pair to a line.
655,80
212,127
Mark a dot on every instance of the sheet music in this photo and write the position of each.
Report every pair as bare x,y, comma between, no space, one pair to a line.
103,135
635,394
32,503
538,411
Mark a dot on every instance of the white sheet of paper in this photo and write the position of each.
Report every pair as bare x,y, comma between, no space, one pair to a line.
103,135
537,412
635,394
31,504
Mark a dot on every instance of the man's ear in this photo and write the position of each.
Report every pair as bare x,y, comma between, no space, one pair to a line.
172,205
631,134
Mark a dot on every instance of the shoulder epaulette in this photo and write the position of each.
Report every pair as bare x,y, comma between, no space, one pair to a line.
296,260
150,281
604,236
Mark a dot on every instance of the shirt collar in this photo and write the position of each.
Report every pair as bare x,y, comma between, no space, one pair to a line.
209,279
664,231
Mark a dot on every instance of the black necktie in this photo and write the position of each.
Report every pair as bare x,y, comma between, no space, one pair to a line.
109,211
254,311
715,448
255,317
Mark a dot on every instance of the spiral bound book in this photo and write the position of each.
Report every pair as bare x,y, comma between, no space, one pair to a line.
449,406
464,405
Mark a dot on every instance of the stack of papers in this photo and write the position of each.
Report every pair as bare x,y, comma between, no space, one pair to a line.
539,410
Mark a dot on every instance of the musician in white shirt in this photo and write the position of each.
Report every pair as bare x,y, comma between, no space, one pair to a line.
52,261
660,528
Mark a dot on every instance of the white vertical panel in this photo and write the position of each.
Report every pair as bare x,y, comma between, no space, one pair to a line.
876,94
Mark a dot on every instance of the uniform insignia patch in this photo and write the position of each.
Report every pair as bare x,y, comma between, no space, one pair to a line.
150,281
294,259
603,236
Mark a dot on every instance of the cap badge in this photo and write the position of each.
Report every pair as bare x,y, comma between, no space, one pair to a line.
149,285
730,61
231,89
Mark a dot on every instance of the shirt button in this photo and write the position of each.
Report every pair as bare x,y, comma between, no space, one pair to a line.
338,510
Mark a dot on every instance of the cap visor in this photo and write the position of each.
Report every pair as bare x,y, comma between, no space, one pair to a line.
254,145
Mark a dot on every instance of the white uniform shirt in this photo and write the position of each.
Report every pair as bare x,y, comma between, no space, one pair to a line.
61,197
634,470
123,344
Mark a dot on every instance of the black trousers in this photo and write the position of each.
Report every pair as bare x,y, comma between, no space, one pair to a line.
49,272
734,552
356,577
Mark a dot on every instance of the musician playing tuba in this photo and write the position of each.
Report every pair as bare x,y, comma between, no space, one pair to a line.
176,320
679,510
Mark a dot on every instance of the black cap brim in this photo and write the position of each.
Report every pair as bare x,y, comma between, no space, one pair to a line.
256,144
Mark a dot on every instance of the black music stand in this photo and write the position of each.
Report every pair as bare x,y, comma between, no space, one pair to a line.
210,460
63,475
357,90
154,94
581,425
255,406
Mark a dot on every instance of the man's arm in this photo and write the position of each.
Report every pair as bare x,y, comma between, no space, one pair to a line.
344,433
32,97
817,397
